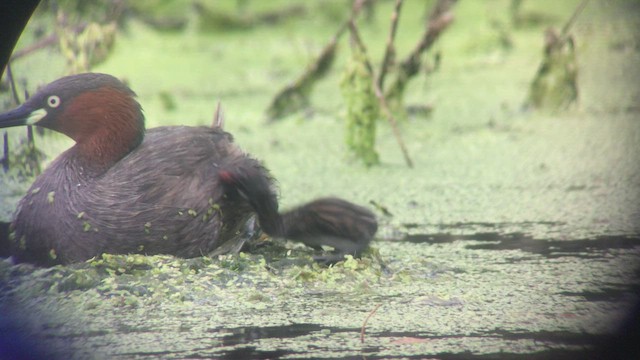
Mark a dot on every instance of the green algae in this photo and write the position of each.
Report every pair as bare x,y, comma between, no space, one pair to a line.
138,280
51,195
362,109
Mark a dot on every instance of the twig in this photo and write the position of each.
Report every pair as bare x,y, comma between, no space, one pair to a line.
31,145
364,324
381,98
567,26
218,117
43,43
438,21
5,137
441,7
30,140
294,95
12,82
390,52
5,152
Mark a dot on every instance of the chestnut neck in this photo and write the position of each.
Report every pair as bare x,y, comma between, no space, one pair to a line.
106,123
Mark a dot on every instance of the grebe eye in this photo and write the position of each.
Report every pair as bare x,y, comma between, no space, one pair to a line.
53,101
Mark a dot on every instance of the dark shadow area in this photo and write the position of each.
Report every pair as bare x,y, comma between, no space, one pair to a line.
251,352
16,343
520,241
621,345
250,334
4,240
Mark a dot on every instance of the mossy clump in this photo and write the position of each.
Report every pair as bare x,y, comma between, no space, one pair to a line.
87,48
555,87
81,279
362,109
123,264
344,274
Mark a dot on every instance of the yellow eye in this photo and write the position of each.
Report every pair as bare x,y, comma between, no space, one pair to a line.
53,101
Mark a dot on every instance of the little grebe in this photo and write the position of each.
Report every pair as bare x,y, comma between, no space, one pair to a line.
185,191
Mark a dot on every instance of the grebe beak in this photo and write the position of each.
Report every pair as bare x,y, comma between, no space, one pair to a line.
22,115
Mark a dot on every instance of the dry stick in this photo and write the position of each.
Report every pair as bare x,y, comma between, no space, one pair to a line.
381,99
12,82
43,43
40,44
16,99
390,52
5,147
437,23
441,7
218,117
572,20
279,104
5,137
30,139
364,324
313,72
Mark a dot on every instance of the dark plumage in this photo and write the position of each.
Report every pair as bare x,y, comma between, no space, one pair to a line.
186,191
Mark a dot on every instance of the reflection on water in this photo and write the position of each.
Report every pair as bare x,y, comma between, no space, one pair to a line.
588,248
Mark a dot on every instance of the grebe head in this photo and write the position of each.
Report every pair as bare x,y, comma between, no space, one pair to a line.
98,111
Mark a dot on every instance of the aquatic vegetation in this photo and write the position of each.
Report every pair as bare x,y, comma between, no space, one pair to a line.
555,85
362,109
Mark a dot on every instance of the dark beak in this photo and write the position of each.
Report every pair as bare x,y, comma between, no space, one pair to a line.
22,115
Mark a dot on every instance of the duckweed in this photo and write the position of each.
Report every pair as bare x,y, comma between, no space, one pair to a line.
51,196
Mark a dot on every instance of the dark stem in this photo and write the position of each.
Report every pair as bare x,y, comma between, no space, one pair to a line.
5,157
294,96
389,53
43,43
364,324
30,140
14,92
218,117
572,20
31,145
438,21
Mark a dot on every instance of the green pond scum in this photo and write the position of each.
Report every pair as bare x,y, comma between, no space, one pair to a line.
139,280
362,109
515,235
